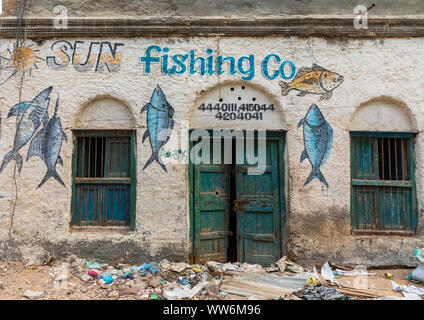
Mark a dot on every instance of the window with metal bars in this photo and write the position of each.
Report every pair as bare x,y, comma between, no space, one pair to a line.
383,192
104,178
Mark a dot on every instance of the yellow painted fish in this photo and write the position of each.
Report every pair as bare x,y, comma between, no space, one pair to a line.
315,80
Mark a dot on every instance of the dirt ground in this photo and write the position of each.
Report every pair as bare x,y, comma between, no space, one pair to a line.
47,282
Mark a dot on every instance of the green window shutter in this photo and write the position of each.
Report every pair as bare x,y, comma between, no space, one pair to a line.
117,157
383,192
104,178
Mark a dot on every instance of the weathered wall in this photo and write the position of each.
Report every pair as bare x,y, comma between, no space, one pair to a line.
318,218
193,8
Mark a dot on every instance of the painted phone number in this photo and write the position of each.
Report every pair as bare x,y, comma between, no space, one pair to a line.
233,111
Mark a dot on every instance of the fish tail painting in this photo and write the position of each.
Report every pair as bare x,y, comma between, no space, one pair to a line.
50,174
317,139
47,145
316,173
315,80
159,124
12,155
285,88
32,115
152,158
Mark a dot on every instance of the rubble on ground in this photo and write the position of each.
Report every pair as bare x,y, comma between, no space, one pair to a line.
78,278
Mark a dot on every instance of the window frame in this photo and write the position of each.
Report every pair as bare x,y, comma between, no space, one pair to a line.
393,183
91,133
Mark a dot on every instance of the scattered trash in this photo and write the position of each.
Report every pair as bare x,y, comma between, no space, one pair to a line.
262,286
183,292
286,264
417,274
218,281
197,268
183,281
154,296
312,280
212,289
107,278
407,289
419,253
328,275
154,268
355,273
92,273
255,268
320,293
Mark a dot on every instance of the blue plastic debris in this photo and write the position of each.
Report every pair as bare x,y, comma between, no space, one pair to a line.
154,268
107,278
92,265
183,281
144,267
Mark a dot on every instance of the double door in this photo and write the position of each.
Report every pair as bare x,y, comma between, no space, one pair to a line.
237,214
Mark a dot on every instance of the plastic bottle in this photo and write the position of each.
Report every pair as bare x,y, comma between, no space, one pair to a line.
419,253
417,274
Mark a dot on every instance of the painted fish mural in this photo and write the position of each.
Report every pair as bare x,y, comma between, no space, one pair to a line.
34,114
318,139
47,144
159,124
315,80
18,109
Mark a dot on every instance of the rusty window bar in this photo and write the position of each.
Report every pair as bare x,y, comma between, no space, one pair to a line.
386,180
100,196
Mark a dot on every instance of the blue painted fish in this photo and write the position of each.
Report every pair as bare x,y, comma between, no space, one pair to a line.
159,124
318,139
34,114
47,144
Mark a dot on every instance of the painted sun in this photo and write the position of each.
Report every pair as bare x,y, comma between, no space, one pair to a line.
20,59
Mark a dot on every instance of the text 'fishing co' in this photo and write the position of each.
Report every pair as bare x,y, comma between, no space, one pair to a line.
272,65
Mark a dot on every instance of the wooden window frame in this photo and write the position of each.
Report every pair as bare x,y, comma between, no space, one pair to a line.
132,172
410,183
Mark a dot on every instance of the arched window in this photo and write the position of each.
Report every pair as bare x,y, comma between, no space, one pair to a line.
103,168
383,192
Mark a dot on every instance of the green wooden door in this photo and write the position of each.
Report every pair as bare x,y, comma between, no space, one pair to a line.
212,210
259,210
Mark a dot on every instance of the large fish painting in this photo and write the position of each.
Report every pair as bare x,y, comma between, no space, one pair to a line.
318,139
315,80
159,124
47,144
33,114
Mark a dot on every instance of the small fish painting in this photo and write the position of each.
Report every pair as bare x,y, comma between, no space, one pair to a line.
318,139
315,80
47,144
35,112
159,124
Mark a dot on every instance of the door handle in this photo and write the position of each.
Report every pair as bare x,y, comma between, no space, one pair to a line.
238,204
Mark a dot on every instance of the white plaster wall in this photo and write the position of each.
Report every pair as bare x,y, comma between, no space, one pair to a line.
317,218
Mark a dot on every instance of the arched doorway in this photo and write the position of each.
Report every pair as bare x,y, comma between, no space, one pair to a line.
236,175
